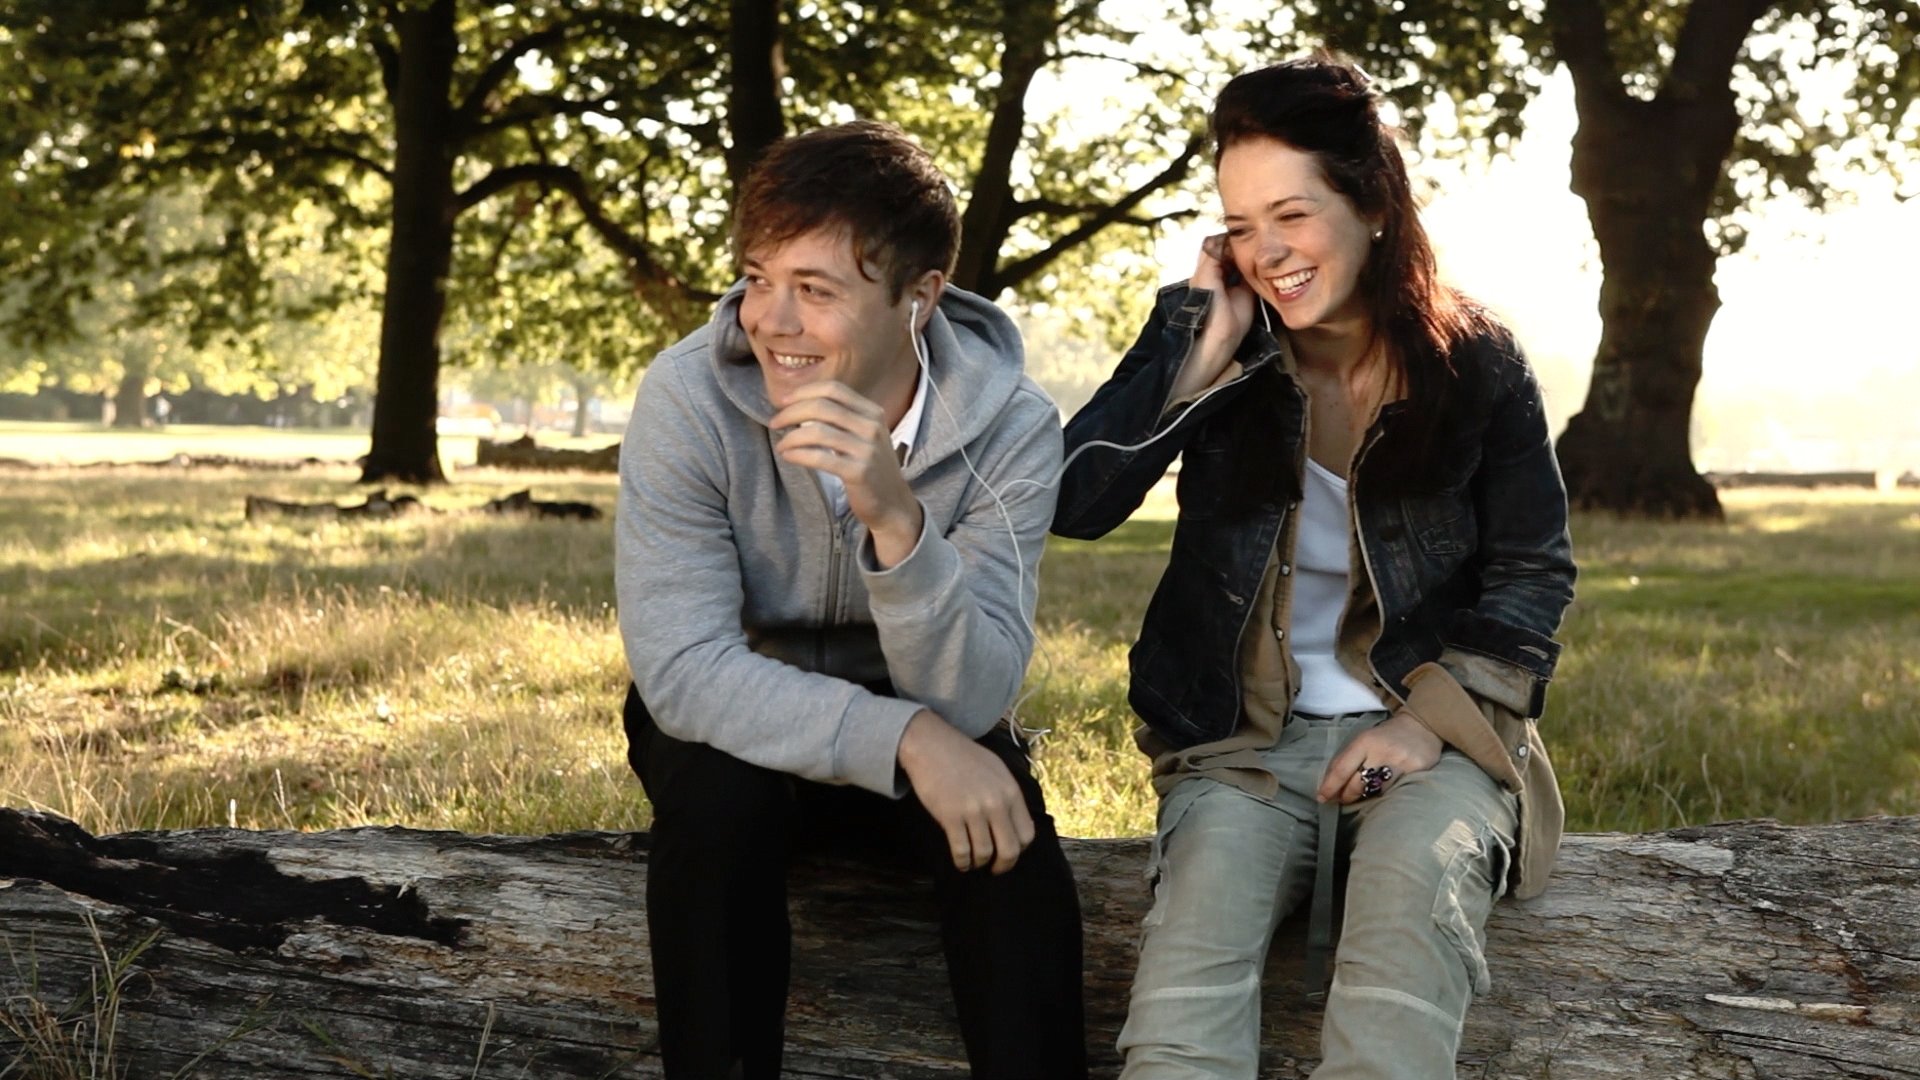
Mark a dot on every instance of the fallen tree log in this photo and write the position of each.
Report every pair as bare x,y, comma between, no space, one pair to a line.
375,507
1741,950
524,453
378,506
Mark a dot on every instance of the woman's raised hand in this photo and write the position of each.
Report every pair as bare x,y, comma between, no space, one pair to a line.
1228,318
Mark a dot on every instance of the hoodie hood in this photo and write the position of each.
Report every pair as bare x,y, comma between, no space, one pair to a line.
973,353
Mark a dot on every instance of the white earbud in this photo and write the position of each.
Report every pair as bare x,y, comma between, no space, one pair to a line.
913,317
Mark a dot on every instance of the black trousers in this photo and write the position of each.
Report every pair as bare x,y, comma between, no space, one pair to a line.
724,832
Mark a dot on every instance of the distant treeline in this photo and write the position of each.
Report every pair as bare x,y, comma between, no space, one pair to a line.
296,408
1856,478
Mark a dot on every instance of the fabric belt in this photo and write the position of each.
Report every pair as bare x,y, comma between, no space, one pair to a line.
1320,920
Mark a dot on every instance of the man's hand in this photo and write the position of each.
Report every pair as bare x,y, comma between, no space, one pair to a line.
1401,743
969,791
838,431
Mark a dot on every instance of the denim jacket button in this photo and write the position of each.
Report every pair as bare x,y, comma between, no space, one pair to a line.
1520,751
1286,570
1280,633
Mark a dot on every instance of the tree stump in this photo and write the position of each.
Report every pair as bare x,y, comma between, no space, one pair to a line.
1741,950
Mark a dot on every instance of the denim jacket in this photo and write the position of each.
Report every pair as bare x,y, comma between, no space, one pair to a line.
1472,571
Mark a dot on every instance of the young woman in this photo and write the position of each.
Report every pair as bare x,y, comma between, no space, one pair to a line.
1354,631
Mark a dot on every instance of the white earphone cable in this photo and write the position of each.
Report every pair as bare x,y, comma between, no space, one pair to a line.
1006,516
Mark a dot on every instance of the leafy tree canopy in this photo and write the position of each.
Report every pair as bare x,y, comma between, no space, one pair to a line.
590,143
1822,89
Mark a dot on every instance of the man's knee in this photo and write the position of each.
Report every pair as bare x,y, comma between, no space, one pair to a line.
700,791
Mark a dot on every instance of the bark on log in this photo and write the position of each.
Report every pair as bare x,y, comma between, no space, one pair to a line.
1740,950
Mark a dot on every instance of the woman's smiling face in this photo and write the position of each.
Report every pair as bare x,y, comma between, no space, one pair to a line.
1299,243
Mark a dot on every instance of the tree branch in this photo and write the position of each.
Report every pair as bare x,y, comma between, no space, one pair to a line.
1709,43
520,214
496,72
655,283
1011,275
389,57
1028,28
1053,208
212,145
1579,30
528,108
351,156
1149,69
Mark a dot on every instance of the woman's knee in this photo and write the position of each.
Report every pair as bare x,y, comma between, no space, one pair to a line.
1416,911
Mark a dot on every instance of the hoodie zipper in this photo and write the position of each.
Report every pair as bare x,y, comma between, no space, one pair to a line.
830,601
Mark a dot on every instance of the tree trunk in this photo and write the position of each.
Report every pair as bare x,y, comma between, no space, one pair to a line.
582,402
1628,449
525,453
1027,28
1744,950
406,403
130,396
755,120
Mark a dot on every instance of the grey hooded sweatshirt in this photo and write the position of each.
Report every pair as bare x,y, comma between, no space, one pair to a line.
752,617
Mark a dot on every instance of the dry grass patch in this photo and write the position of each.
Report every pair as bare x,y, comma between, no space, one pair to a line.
165,663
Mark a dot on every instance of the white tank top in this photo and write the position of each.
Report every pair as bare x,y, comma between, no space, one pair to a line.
1321,569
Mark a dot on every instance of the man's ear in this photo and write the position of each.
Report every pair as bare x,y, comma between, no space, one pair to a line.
927,292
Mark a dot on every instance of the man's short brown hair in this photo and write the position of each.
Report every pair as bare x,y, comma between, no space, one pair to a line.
866,178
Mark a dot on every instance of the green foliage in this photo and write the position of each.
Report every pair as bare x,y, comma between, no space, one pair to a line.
284,105
573,124
150,321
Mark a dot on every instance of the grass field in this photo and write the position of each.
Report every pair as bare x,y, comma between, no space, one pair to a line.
165,663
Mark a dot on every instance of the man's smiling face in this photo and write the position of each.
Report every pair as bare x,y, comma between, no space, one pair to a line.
811,315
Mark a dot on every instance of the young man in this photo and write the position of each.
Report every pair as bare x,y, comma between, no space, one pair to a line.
826,575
